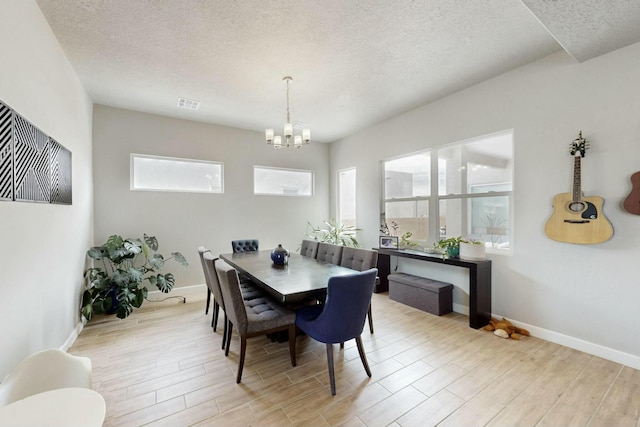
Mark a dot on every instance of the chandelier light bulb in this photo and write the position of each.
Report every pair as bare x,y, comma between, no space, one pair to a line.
269,135
288,130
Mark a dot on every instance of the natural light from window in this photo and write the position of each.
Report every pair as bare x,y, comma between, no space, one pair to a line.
347,197
154,173
282,182
467,186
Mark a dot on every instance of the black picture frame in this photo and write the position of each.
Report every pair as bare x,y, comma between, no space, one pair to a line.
389,242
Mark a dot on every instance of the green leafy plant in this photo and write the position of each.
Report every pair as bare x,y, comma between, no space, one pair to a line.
406,242
448,247
117,287
337,234
451,247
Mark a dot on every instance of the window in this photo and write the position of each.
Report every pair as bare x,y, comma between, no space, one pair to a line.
407,189
282,182
153,173
347,197
462,189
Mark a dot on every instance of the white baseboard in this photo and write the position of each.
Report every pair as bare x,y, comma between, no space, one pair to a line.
184,291
462,309
74,335
568,341
578,344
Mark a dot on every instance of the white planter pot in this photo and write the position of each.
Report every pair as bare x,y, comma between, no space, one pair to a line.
472,251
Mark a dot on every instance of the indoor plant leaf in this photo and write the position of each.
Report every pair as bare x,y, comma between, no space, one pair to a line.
152,242
165,282
95,253
180,258
156,261
135,275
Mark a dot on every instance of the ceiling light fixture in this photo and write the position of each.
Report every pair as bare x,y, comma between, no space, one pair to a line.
290,140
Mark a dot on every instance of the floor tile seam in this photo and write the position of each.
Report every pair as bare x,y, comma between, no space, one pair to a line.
604,396
573,382
395,420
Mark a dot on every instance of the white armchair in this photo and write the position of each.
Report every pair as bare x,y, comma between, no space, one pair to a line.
44,371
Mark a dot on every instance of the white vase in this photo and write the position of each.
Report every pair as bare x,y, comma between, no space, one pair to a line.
472,251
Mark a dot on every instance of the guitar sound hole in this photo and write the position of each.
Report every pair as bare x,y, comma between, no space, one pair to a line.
576,206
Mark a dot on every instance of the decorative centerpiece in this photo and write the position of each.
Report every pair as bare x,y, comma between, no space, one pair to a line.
280,255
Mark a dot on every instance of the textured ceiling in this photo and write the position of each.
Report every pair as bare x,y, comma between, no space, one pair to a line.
353,62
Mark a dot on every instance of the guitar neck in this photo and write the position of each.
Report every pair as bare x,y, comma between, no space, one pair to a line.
577,183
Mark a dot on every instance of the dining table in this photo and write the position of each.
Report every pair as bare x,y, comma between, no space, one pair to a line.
300,279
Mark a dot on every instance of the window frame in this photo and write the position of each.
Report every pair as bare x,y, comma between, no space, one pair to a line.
133,156
465,197
355,195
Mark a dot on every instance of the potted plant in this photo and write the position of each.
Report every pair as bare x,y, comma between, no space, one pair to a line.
450,247
405,239
472,249
337,234
117,287
406,242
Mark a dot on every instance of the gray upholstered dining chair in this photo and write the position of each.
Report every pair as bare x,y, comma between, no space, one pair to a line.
249,291
247,245
329,253
309,248
360,260
211,289
251,320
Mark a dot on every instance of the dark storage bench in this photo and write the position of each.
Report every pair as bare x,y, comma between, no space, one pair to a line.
428,295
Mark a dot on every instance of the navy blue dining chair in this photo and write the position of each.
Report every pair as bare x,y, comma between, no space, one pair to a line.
342,316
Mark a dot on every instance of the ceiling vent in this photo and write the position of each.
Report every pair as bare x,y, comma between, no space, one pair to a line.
189,104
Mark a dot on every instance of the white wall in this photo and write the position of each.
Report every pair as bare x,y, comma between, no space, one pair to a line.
42,250
183,221
582,296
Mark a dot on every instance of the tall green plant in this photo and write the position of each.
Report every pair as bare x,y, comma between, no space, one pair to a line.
117,287
337,234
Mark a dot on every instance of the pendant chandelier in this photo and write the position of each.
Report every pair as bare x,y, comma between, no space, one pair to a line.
290,140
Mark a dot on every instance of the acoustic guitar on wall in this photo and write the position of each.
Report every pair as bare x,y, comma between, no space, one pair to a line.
578,219
632,202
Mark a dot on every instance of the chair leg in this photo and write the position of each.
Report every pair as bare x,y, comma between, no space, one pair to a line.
206,310
370,319
342,345
332,375
243,349
292,344
229,330
224,331
216,312
363,356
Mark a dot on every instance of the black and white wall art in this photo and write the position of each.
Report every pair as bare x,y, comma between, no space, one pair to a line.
33,166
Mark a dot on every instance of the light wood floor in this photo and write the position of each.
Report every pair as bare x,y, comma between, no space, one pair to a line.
163,366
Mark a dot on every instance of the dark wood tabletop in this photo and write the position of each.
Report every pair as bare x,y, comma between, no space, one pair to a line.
302,278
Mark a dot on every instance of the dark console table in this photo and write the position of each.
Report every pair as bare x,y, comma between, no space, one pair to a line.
479,280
